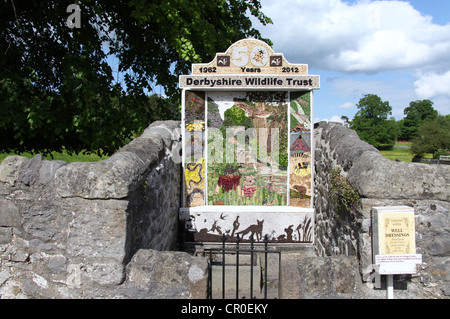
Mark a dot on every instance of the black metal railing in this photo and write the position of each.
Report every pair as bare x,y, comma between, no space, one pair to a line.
217,257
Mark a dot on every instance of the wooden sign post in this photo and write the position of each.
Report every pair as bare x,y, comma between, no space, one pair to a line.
393,242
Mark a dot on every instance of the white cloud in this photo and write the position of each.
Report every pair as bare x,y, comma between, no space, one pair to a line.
367,36
334,118
436,87
430,85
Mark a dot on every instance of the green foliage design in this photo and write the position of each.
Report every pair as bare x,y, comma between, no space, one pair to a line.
235,116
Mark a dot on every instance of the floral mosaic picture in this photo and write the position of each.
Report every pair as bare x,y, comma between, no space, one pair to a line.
247,148
253,154
300,149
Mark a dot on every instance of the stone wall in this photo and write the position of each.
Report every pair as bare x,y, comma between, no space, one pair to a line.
109,229
101,229
382,182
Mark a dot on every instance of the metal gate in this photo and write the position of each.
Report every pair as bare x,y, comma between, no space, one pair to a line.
253,258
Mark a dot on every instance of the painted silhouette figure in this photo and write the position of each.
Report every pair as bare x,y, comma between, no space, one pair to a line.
289,232
254,230
236,225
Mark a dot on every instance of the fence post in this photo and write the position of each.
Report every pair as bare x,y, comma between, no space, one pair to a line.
266,241
252,241
210,276
237,267
224,238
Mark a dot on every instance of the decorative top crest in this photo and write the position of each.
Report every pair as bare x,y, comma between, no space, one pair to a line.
249,57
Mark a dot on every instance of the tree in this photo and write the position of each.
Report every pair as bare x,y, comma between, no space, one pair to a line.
372,124
57,88
417,113
432,136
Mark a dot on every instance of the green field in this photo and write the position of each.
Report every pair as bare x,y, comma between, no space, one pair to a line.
62,156
401,152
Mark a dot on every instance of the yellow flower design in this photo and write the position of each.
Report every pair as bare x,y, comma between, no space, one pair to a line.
193,174
198,126
302,172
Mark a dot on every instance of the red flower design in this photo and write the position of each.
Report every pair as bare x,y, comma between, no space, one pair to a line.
229,183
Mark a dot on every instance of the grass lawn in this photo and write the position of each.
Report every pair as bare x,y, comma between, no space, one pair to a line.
401,151
61,156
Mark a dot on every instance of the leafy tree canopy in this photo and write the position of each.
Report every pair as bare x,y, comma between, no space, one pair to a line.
416,114
432,136
372,124
372,107
57,89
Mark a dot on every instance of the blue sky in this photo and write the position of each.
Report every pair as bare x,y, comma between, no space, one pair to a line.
399,50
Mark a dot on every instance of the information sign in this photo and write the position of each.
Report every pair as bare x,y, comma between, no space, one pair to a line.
394,245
